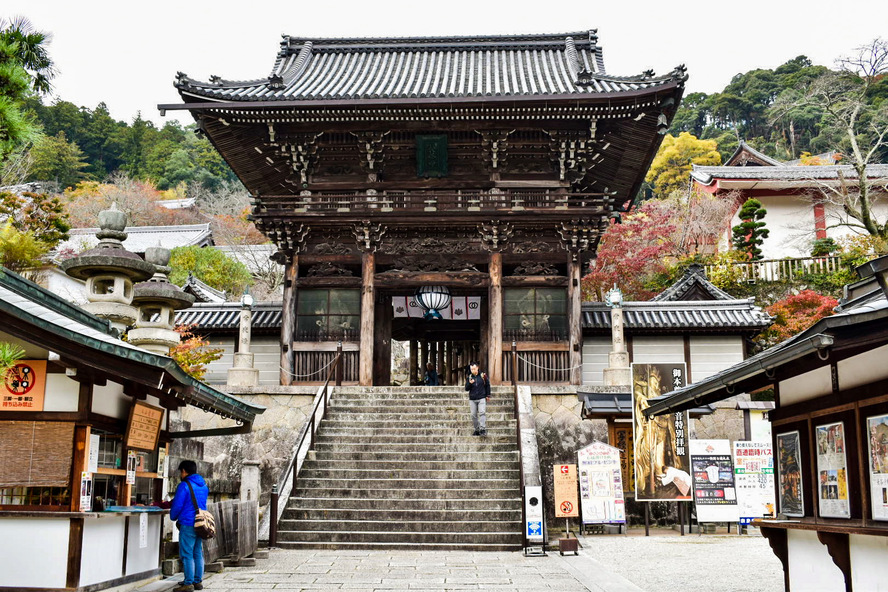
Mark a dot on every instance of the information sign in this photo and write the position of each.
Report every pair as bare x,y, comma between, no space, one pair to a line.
566,491
714,492
92,464
143,429
601,484
131,460
832,469
85,492
754,478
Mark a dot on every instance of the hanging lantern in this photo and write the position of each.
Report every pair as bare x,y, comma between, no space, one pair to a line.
432,299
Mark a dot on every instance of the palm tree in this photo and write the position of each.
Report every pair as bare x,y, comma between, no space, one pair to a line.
30,49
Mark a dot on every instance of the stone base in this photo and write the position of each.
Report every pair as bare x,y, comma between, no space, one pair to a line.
617,377
243,377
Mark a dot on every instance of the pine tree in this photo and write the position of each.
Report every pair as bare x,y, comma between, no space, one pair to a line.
750,234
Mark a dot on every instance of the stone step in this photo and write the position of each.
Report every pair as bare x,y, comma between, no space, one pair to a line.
412,504
424,401
385,546
411,466
399,526
428,438
415,456
493,431
400,493
511,514
346,421
407,474
410,414
503,537
409,391
466,446
406,483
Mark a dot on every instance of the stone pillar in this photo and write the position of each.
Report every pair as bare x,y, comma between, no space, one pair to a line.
618,371
368,310
495,321
574,321
243,373
288,318
250,481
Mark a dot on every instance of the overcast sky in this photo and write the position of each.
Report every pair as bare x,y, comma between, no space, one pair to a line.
127,53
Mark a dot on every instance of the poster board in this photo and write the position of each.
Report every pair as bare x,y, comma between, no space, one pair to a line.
877,436
622,439
662,463
565,485
143,428
24,386
754,479
601,484
715,494
832,471
791,501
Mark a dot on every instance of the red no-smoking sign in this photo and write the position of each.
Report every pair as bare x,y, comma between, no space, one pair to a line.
567,507
565,482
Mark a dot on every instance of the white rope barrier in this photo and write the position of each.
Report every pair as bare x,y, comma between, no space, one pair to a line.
528,362
310,374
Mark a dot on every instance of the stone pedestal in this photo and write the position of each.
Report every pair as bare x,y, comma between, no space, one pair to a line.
249,489
618,372
243,373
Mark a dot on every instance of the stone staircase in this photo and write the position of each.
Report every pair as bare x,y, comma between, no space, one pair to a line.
398,468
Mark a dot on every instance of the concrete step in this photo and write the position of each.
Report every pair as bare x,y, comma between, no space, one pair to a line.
428,438
393,515
414,391
412,466
409,414
385,546
414,504
416,456
400,493
473,445
399,526
406,483
408,423
384,536
409,474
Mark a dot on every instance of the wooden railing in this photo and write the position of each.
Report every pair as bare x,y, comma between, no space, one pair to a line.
304,443
779,270
430,201
540,366
236,529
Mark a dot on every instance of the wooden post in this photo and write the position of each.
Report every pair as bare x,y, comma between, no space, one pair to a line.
442,372
423,360
495,316
368,309
413,362
647,518
382,333
288,320
340,364
79,463
574,321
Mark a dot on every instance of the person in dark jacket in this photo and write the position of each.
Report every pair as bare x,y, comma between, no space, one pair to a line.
184,512
431,375
479,393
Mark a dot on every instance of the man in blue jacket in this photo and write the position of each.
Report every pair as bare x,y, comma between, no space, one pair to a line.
479,393
183,511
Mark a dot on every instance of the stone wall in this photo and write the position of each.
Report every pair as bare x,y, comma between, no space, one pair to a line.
271,440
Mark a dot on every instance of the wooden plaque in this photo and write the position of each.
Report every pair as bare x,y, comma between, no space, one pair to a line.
143,429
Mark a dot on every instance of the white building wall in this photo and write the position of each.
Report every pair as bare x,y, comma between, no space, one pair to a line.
266,357
810,567
658,349
595,350
710,354
790,224
34,553
869,570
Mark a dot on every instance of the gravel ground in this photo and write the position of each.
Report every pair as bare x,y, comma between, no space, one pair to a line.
667,562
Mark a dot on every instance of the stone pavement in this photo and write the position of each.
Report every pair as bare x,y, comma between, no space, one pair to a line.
426,571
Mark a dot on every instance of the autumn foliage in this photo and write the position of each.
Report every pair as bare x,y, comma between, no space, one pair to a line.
794,314
193,352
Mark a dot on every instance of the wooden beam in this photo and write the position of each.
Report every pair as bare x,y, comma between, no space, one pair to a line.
75,549
413,362
368,309
412,279
574,321
541,281
495,322
288,320
322,346
329,282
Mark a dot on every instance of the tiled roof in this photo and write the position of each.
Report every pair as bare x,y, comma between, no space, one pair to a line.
706,174
203,292
744,153
703,315
226,317
523,65
693,282
597,404
141,237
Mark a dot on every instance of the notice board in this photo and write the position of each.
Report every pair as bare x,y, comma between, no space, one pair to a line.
601,484
713,471
566,491
143,429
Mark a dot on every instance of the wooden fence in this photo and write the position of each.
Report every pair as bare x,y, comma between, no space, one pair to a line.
779,270
237,533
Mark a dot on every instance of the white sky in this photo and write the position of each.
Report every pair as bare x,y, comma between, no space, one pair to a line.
127,53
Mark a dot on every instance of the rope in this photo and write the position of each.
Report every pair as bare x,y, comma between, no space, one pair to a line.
310,374
526,361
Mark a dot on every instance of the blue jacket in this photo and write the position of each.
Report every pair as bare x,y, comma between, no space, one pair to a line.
183,508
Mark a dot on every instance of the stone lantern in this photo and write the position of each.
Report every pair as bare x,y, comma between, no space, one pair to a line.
110,271
157,301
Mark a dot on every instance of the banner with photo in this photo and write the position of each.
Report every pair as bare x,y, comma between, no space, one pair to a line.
877,434
715,494
601,484
754,479
832,471
789,474
662,462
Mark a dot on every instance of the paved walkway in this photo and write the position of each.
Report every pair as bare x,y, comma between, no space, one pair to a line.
605,564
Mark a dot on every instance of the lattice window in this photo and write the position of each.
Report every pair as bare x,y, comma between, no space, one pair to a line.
328,315
535,314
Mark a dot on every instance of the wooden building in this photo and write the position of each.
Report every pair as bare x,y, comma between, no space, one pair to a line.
486,165
830,439
84,425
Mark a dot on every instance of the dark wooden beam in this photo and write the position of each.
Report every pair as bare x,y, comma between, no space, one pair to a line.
410,279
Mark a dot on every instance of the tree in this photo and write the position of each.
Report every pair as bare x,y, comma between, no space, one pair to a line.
20,251
10,353
854,120
210,266
193,352
41,214
794,314
54,158
16,128
672,165
750,234
30,48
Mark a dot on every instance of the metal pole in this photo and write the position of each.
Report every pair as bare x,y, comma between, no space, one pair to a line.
514,363
647,519
273,531
339,364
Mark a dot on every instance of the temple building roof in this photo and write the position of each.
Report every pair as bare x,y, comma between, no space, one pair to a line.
746,155
225,317
142,237
426,68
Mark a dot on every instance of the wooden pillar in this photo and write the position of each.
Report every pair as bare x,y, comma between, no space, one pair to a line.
413,362
441,367
368,306
288,320
382,365
495,319
574,320
423,360
79,462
